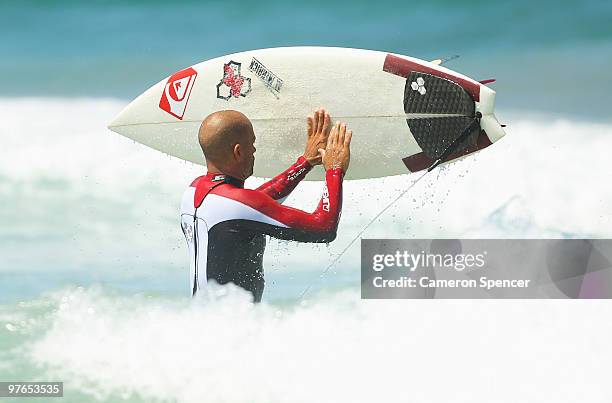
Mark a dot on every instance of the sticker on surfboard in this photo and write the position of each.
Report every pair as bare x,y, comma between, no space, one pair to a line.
270,80
176,92
233,84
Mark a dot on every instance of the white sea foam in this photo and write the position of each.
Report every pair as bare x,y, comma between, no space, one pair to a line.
77,193
336,349
74,193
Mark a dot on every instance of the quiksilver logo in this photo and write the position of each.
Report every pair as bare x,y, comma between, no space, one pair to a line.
176,92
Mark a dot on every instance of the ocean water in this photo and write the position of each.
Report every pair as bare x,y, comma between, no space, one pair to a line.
93,266
551,55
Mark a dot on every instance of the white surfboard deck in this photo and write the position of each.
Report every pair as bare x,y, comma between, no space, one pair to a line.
277,88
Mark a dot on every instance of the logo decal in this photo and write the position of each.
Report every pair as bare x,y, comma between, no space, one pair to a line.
419,85
233,84
188,231
270,80
325,198
177,91
293,175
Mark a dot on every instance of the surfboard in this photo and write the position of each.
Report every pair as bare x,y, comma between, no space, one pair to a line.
404,112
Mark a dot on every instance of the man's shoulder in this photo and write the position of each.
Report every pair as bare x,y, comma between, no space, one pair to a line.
189,199
197,180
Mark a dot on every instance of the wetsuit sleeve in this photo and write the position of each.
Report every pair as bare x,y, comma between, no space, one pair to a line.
281,185
271,218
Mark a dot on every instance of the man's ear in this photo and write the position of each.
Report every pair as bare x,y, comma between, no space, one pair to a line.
237,151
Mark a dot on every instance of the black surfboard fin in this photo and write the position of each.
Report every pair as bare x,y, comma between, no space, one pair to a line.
449,150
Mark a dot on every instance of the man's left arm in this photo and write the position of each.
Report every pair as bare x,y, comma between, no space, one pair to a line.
283,184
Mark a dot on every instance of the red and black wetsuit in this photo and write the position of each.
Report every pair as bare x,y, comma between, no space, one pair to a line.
225,225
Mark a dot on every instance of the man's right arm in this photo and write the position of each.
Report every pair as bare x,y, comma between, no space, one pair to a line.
259,213
262,214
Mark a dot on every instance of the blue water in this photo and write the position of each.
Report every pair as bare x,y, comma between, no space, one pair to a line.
548,55
93,266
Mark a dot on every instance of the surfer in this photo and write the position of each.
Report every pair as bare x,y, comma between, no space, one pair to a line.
225,224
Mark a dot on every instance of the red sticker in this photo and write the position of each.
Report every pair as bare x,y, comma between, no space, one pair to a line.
177,91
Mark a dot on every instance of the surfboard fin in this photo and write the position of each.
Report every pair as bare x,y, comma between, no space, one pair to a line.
449,150
487,81
440,62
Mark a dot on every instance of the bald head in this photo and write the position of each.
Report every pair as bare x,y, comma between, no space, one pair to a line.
228,142
220,131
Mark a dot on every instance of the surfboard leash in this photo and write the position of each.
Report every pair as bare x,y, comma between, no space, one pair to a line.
324,272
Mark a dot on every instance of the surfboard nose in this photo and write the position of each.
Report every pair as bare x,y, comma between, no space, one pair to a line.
145,109
115,123
127,116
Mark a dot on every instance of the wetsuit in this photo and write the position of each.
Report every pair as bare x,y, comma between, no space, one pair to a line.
225,225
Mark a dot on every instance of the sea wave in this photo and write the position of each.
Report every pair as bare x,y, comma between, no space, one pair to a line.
329,349
74,192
